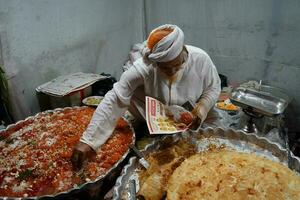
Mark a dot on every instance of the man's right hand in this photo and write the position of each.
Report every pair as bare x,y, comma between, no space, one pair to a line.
81,153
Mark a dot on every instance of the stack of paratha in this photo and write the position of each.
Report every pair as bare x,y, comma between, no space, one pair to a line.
218,174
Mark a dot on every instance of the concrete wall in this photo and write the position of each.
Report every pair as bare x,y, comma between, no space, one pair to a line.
246,39
42,39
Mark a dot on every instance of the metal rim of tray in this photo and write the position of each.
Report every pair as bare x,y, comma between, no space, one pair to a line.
219,132
82,186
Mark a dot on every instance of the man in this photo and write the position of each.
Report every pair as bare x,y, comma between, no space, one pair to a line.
170,71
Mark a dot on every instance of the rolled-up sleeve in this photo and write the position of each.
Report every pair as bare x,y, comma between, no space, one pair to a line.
112,107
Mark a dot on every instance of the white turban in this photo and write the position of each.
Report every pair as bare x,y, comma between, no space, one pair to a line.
167,48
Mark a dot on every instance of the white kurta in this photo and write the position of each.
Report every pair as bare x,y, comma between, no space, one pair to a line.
197,81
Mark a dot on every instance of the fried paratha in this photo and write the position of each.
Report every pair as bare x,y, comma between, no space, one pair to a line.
225,174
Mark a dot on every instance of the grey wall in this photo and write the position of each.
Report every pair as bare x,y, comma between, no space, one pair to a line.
42,39
246,39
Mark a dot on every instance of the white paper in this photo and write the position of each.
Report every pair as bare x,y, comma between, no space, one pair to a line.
157,120
64,85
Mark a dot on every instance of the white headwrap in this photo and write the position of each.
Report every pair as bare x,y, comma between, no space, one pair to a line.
167,48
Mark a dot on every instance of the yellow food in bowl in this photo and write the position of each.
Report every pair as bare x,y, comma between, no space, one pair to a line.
227,106
93,101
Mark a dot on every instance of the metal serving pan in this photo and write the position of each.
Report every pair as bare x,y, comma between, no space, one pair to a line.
236,140
262,102
88,189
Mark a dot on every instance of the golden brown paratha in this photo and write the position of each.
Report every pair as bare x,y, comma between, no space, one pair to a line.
230,175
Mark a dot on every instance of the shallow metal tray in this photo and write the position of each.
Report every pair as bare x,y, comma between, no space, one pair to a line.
261,102
236,140
88,188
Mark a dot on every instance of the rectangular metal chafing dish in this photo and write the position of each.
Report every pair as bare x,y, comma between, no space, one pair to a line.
267,100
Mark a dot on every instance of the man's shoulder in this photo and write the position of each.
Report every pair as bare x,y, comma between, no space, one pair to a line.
142,66
196,51
199,59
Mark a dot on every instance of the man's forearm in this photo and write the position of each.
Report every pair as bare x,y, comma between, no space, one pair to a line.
103,121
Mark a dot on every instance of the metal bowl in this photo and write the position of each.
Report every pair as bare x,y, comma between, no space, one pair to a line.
236,140
89,189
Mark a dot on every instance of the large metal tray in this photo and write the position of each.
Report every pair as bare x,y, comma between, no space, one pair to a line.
236,140
263,102
88,188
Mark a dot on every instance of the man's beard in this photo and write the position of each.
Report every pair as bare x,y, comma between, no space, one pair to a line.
171,78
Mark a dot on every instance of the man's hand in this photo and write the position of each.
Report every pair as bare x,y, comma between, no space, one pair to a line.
81,153
196,123
199,113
